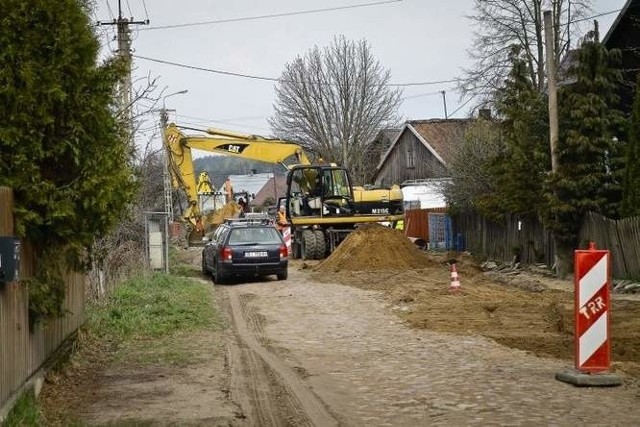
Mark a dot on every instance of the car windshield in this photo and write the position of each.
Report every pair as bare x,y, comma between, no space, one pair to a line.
252,236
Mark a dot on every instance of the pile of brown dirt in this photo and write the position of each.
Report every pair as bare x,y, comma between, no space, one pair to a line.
537,321
466,264
375,247
229,210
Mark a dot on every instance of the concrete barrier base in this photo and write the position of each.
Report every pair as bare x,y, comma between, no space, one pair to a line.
580,379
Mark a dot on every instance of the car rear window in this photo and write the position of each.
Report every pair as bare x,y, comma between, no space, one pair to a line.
263,236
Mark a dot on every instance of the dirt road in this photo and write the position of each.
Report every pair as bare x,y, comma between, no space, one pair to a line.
326,354
269,391
349,344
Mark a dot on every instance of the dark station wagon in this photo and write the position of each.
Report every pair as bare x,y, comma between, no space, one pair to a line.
245,247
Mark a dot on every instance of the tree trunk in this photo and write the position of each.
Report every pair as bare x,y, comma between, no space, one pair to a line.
564,260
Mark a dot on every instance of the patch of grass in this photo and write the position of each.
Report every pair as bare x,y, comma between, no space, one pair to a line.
25,412
153,307
177,350
178,267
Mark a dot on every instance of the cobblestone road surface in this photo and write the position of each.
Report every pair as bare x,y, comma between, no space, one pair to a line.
371,369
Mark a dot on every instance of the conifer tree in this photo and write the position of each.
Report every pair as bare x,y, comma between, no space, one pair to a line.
631,189
524,162
62,147
589,152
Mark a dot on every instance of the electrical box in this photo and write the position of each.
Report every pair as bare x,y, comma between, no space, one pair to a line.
9,259
156,250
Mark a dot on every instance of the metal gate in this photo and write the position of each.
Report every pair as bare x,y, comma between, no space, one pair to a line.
440,232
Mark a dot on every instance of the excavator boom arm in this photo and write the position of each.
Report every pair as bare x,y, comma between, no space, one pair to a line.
183,175
239,145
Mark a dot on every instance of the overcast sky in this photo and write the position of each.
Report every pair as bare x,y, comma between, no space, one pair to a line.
417,40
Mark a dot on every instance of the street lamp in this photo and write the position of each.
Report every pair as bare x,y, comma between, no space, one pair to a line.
180,92
168,198
164,117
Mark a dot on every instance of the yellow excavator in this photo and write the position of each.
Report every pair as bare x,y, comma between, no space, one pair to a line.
322,206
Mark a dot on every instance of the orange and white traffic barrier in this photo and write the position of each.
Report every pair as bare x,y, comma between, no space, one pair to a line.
455,280
286,234
592,279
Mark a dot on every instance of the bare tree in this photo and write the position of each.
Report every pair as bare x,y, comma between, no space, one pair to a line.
472,180
501,24
333,101
120,254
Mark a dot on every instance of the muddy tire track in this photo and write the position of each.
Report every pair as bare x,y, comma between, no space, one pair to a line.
268,392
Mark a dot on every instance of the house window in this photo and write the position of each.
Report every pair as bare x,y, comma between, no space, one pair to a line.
410,154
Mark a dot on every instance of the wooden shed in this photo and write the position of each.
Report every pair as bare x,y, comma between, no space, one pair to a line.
421,150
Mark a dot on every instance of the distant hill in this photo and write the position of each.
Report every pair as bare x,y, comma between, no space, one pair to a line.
219,167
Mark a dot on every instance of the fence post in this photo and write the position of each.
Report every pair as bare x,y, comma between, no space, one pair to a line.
6,214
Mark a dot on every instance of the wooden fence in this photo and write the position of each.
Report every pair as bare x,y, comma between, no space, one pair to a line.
502,241
535,244
621,237
23,352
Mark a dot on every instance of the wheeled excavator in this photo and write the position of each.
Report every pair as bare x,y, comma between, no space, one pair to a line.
321,205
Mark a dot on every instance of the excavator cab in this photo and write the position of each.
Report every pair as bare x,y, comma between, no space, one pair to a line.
318,191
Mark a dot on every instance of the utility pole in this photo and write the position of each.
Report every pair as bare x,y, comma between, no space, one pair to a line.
561,261
552,88
444,101
166,179
124,52
275,189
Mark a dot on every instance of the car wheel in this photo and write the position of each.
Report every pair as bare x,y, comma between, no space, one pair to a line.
283,275
218,277
205,270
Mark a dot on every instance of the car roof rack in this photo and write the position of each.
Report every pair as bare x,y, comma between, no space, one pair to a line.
256,215
262,220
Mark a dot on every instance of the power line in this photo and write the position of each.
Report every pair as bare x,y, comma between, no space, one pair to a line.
237,119
144,3
209,70
594,16
461,107
129,7
109,10
436,82
272,79
261,130
275,15
420,95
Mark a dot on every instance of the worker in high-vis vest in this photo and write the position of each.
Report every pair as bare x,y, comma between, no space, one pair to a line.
282,219
399,225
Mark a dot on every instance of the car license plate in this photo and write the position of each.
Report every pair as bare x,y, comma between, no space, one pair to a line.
255,254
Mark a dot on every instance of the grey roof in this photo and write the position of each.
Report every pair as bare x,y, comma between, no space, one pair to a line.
251,183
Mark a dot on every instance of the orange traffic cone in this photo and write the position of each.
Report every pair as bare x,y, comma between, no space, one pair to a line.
455,281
